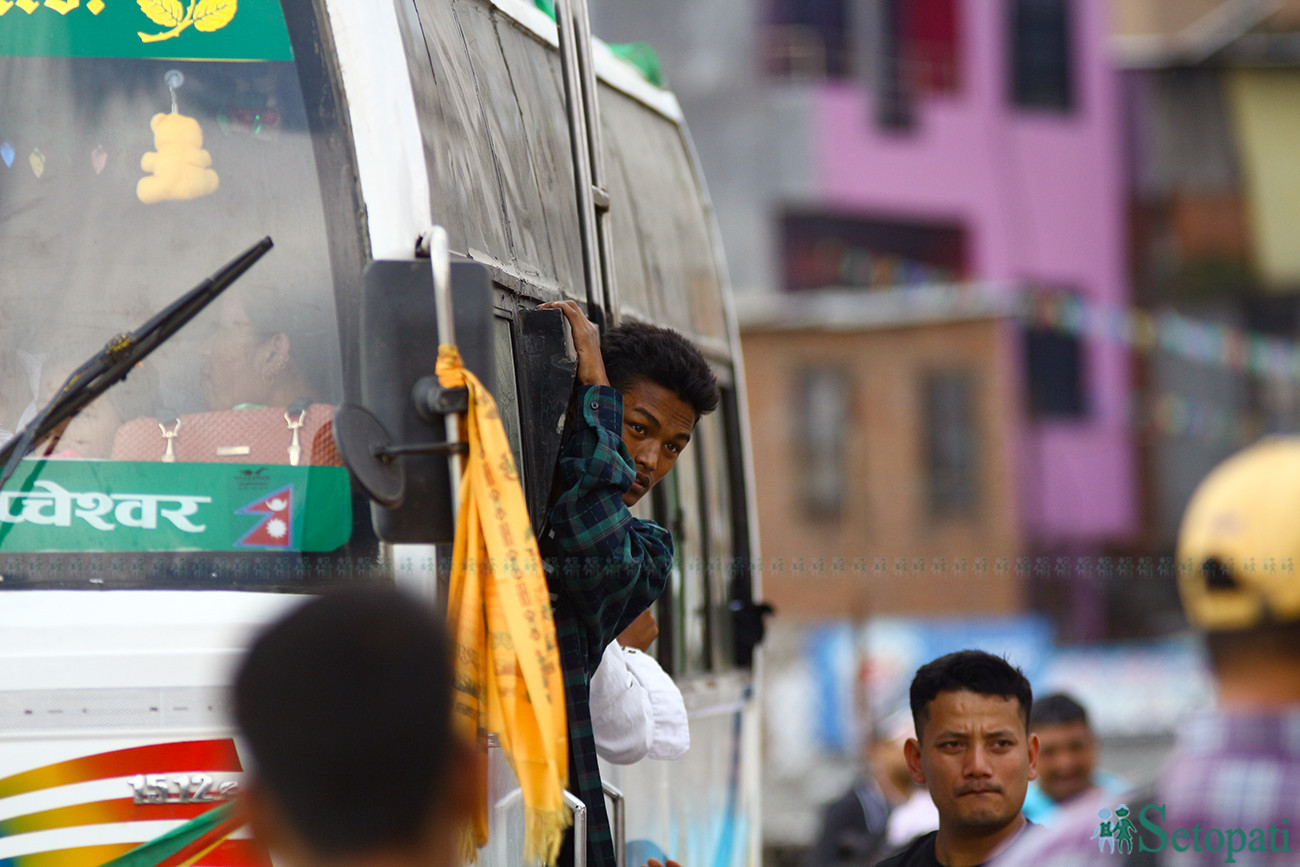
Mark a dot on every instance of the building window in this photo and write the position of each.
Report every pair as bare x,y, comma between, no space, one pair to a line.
808,39
1054,374
823,405
1054,359
895,95
1042,75
951,444
930,34
829,251
916,53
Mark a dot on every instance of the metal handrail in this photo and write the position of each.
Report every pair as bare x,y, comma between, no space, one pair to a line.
616,798
579,821
579,828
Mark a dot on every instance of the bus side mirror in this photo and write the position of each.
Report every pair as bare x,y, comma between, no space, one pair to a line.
399,349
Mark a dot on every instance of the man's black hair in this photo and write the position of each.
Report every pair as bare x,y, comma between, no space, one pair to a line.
636,351
971,671
346,707
1056,709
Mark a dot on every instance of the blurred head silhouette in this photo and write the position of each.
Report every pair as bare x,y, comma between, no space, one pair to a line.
1238,547
345,706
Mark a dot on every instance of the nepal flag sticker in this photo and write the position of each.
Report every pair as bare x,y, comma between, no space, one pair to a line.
275,530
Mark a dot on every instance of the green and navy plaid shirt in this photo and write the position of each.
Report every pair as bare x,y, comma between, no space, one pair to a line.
604,568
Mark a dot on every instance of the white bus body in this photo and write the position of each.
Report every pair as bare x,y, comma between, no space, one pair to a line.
343,130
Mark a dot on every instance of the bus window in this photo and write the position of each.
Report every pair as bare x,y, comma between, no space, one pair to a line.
740,639
464,185
506,391
137,159
677,281
687,594
535,75
699,503
496,139
720,548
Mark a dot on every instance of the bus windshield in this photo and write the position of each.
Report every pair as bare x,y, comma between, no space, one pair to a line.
143,145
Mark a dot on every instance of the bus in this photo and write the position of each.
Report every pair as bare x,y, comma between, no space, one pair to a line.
144,143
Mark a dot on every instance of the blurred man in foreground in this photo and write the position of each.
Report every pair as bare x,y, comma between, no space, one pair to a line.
973,751
345,705
1232,788
1067,761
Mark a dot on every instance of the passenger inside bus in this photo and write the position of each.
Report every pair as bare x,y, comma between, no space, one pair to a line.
255,358
19,369
90,433
17,400
259,372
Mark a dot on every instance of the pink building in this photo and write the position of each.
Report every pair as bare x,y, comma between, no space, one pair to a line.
991,135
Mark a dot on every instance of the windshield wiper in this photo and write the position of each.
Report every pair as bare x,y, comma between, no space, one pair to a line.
121,355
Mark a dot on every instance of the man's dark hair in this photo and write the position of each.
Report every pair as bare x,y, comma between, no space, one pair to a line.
636,351
1056,709
972,671
346,707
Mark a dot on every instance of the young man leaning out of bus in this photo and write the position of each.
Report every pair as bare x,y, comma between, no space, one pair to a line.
640,392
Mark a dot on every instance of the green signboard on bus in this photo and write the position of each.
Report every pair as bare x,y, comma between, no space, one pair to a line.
157,29
73,505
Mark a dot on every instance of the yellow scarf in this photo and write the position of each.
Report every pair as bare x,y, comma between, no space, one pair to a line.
507,666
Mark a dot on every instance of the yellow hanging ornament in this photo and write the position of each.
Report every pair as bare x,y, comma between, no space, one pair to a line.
508,676
179,167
